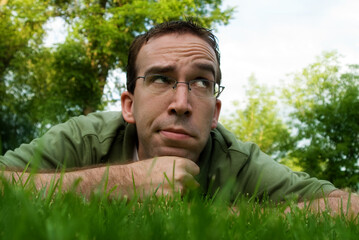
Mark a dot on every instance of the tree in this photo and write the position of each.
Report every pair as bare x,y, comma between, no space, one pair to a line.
258,121
20,31
43,86
325,104
20,26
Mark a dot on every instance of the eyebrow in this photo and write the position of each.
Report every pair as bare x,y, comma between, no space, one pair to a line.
206,67
160,69
171,68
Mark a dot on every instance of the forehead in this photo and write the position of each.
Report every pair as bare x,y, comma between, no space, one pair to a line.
175,49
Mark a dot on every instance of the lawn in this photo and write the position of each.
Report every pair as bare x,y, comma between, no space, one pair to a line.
30,214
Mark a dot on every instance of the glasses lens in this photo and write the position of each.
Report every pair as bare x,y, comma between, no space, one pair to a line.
199,87
203,88
158,83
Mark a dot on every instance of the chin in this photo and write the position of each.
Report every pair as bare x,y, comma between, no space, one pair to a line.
176,153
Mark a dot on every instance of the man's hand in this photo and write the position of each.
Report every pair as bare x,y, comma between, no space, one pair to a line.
164,175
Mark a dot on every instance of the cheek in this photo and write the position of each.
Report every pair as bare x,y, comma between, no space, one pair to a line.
147,109
205,115
141,104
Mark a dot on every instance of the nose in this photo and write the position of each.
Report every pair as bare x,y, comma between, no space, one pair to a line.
180,104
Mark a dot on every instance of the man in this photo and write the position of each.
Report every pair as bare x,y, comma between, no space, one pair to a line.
168,134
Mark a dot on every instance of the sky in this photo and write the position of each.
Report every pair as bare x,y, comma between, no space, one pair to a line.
272,39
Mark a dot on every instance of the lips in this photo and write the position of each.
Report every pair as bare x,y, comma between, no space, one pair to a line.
175,133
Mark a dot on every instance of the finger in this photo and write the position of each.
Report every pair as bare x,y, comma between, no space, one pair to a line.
192,168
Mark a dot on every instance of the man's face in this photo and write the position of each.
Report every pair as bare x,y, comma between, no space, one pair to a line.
173,123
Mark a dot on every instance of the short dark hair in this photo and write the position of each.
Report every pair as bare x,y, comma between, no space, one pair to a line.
180,27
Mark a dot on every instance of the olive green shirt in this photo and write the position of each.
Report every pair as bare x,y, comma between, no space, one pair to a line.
106,138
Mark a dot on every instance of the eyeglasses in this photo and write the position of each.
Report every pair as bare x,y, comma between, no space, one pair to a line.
204,88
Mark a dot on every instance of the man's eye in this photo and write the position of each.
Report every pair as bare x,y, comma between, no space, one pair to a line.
159,79
201,83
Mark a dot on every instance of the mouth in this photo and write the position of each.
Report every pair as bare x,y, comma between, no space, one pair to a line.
175,134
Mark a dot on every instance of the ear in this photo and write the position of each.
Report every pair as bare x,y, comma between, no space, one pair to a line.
217,110
127,107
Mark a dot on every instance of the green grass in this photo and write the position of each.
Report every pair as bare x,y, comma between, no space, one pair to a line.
29,214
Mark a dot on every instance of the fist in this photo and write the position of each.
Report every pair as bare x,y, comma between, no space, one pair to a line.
165,175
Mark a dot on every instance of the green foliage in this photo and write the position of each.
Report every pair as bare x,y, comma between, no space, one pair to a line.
325,104
41,86
20,27
20,31
75,82
258,121
29,214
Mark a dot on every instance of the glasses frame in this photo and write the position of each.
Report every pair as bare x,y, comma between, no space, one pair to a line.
220,88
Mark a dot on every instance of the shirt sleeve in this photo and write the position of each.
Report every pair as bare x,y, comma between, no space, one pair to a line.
253,173
263,176
81,141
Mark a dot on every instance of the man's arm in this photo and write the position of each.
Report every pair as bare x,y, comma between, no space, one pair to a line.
163,174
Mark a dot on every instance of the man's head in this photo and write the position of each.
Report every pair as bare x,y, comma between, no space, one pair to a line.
179,27
173,102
